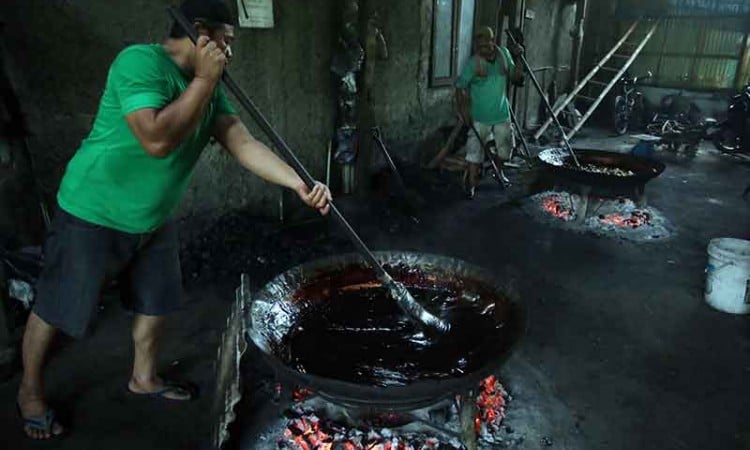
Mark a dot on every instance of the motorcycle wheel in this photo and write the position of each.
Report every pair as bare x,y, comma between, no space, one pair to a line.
727,141
621,116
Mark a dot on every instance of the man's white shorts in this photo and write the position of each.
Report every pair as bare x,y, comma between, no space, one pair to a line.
502,134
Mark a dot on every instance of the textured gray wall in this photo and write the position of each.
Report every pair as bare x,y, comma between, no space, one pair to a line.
548,43
405,106
62,50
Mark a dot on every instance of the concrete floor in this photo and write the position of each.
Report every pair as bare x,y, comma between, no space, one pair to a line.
621,353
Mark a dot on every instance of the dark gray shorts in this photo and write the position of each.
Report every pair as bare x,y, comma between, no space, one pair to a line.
81,257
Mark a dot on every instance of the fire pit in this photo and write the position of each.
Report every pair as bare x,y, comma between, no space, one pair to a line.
605,195
617,217
378,400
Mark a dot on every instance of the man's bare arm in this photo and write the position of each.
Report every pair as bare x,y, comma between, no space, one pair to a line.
160,131
259,159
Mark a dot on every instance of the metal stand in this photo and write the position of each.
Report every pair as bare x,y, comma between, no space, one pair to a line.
519,131
377,136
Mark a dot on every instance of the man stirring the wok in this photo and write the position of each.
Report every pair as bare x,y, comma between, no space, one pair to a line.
160,106
483,103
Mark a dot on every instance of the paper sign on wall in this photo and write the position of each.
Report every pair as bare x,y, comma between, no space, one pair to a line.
255,13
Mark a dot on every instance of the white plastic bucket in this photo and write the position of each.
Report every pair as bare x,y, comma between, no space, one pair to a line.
728,275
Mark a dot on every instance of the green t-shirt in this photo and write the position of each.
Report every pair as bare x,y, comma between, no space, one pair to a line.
111,180
489,102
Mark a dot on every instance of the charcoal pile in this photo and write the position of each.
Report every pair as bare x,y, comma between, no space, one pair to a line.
239,243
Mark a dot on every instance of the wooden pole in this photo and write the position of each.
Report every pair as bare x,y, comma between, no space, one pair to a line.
446,149
583,83
612,83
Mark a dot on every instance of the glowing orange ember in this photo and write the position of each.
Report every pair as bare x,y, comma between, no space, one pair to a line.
633,220
308,432
301,394
490,405
554,205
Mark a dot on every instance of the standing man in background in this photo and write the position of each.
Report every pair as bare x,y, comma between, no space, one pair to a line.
481,96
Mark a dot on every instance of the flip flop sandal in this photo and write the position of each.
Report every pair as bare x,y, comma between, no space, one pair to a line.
169,388
40,423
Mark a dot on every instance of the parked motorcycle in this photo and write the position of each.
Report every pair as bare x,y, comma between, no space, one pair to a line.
628,103
733,134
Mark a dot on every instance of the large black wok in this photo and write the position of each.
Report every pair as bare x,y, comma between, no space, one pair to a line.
274,313
561,166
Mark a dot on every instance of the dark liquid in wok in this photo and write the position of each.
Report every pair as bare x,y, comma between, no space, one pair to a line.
362,336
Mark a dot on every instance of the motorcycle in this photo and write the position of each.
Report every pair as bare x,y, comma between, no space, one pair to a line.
628,103
733,134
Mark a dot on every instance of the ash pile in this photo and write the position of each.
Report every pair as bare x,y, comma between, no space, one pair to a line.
607,217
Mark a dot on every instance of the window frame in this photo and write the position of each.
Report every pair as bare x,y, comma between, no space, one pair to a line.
457,6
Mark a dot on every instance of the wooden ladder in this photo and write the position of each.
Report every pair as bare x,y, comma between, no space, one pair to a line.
603,87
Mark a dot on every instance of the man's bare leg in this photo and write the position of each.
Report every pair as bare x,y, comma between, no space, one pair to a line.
37,339
474,170
147,332
501,166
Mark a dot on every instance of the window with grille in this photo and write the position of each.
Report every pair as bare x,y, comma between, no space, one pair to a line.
452,29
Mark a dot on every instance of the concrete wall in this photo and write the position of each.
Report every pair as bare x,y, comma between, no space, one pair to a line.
62,50
404,104
548,44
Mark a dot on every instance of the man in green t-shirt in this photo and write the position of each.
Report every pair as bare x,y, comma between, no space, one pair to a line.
160,106
482,101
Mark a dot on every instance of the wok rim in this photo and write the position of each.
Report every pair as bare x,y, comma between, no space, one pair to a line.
641,177
421,392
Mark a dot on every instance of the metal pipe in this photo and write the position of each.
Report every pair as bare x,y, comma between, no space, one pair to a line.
405,301
546,102
521,27
581,9
387,156
488,155
520,132
328,164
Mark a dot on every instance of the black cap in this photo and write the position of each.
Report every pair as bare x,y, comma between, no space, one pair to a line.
211,12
